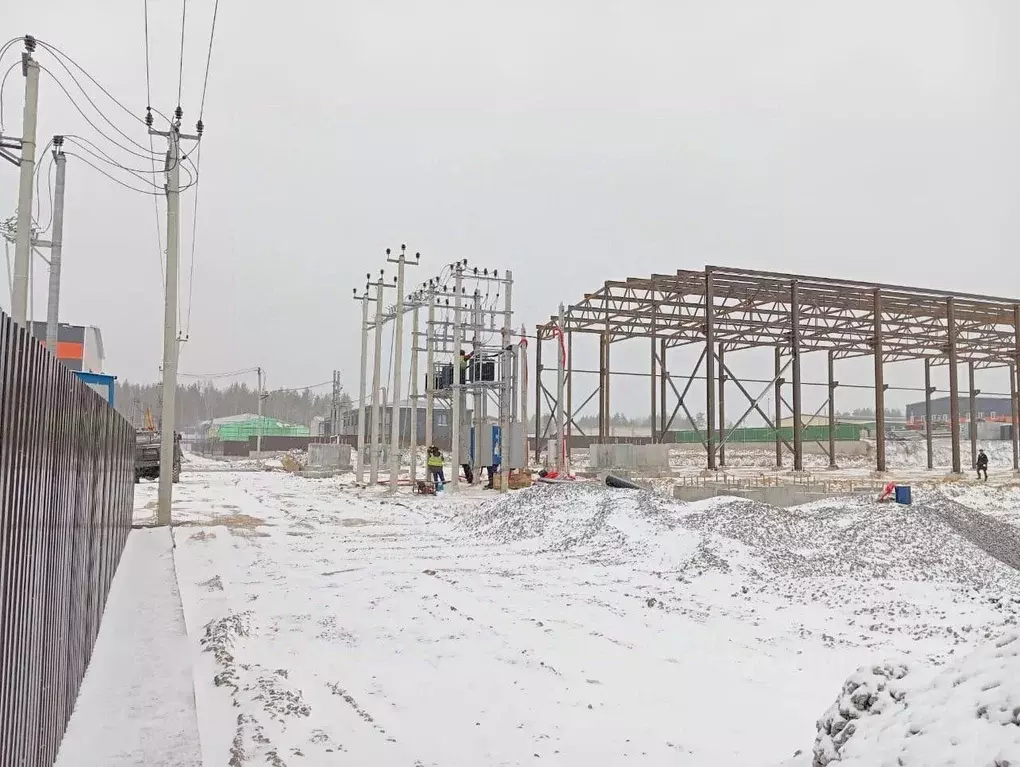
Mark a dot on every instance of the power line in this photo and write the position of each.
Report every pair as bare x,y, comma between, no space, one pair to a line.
148,89
92,124
112,178
180,80
208,59
99,154
58,54
194,239
3,84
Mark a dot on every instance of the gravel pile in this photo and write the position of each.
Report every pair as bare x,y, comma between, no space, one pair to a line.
844,540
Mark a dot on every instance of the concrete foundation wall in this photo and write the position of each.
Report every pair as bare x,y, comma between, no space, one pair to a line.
782,496
642,459
330,457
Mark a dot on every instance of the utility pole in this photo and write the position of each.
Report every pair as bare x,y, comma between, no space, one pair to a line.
23,241
458,389
258,428
373,475
398,354
415,335
334,419
56,247
363,381
173,254
430,368
507,405
478,389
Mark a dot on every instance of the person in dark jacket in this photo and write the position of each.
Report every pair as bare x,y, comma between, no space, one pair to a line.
982,465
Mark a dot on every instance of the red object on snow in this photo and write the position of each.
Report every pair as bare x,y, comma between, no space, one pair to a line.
887,491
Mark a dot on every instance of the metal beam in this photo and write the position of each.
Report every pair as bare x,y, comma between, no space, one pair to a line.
833,383
954,383
927,413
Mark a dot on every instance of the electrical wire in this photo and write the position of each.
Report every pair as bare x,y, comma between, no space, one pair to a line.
301,388
208,59
194,239
59,57
86,118
112,178
49,184
230,374
159,233
148,89
180,80
99,154
3,84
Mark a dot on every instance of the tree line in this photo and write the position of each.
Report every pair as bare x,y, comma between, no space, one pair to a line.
202,402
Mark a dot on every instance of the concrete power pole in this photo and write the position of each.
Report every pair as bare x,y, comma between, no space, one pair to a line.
363,382
23,242
507,405
458,389
430,368
56,247
258,428
398,355
373,474
173,254
415,334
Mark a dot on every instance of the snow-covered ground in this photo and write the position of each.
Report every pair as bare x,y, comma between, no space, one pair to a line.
571,625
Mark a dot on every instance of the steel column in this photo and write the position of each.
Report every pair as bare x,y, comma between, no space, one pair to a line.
972,403
879,385
954,384
710,369
927,412
1015,382
798,421
779,406
663,380
1013,420
570,392
538,394
655,393
722,407
832,408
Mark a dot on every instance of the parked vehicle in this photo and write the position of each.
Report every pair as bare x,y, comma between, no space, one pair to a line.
147,455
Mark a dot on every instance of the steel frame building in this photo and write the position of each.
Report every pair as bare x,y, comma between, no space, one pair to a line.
725,310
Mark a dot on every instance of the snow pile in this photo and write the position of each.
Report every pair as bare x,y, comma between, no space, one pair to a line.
870,691
969,714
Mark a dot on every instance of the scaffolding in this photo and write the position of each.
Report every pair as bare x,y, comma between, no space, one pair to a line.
725,310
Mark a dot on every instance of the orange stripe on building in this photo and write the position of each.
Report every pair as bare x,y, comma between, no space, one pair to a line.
67,350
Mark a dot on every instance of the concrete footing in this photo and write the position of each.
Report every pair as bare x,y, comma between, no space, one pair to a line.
783,496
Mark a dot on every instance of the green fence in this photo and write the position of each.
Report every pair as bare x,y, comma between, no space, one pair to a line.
845,432
240,431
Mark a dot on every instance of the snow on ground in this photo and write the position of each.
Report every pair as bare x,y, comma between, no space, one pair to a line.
573,625
137,701
968,714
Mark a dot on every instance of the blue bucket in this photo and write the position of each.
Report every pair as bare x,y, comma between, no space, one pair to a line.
903,494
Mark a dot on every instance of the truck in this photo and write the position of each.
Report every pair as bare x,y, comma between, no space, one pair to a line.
147,444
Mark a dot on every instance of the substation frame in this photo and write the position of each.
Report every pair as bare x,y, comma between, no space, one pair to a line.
725,310
472,326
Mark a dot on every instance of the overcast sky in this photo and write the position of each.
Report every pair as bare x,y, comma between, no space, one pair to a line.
569,141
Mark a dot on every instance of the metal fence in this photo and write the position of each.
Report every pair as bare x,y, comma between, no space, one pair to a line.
66,498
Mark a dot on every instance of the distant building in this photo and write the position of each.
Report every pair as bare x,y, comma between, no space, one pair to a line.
441,419
79,347
239,428
988,409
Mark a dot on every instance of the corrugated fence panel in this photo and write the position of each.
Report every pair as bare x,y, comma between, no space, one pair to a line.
66,499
